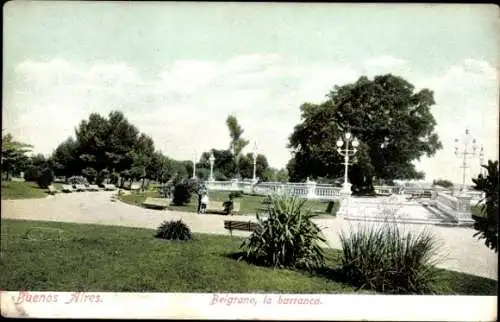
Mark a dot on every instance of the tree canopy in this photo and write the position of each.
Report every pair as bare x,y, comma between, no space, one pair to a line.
486,225
14,158
237,143
391,120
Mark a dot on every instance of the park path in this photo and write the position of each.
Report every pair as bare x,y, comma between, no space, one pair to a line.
462,251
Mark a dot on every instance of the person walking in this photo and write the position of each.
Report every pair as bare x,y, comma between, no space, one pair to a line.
202,190
204,202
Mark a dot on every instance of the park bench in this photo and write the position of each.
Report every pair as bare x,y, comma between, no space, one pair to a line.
93,187
240,225
156,203
80,187
67,188
109,187
218,206
51,190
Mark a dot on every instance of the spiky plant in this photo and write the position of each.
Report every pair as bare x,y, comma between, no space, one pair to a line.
384,258
174,230
286,237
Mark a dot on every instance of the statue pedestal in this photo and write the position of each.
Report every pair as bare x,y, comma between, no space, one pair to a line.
345,200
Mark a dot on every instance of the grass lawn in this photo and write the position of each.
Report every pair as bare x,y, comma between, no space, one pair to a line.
21,190
248,203
119,259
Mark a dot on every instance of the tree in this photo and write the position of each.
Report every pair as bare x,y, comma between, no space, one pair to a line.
393,123
65,158
224,164
487,224
237,143
443,183
246,165
14,159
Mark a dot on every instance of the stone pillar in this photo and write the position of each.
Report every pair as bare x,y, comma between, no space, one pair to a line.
311,189
234,184
345,200
464,214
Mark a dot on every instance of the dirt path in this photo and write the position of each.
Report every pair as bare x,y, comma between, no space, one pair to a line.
463,252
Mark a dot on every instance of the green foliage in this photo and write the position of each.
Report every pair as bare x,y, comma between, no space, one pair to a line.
31,173
90,174
246,165
174,230
487,224
383,258
45,178
287,237
182,194
228,206
14,159
235,194
224,165
392,122
237,143
443,183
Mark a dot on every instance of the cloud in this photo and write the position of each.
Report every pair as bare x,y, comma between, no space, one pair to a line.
385,62
466,96
184,106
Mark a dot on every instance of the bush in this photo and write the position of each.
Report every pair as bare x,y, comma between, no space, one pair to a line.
487,224
32,173
174,230
45,178
228,206
235,194
385,259
182,194
287,237
90,174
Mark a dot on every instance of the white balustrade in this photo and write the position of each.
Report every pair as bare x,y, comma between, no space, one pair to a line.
456,206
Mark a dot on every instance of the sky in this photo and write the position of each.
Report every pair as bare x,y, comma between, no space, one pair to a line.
177,70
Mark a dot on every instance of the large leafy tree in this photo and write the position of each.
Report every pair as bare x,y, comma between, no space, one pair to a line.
224,164
392,121
246,165
237,143
14,159
487,224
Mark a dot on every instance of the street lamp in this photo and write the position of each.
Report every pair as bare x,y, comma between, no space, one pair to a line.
194,165
467,141
481,159
254,154
346,187
212,160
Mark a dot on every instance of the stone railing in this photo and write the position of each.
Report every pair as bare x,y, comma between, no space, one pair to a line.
457,206
310,189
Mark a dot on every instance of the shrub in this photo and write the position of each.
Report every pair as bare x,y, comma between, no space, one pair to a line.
383,258
32,173
287,237
228,206
174,230
182,194
235,194
90,174
45,178
487,224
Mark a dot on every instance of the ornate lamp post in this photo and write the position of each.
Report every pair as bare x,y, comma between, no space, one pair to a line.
469,150
212,160
346,152
254,155
481,159
194,165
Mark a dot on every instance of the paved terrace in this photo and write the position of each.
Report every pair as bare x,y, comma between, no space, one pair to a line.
463,252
